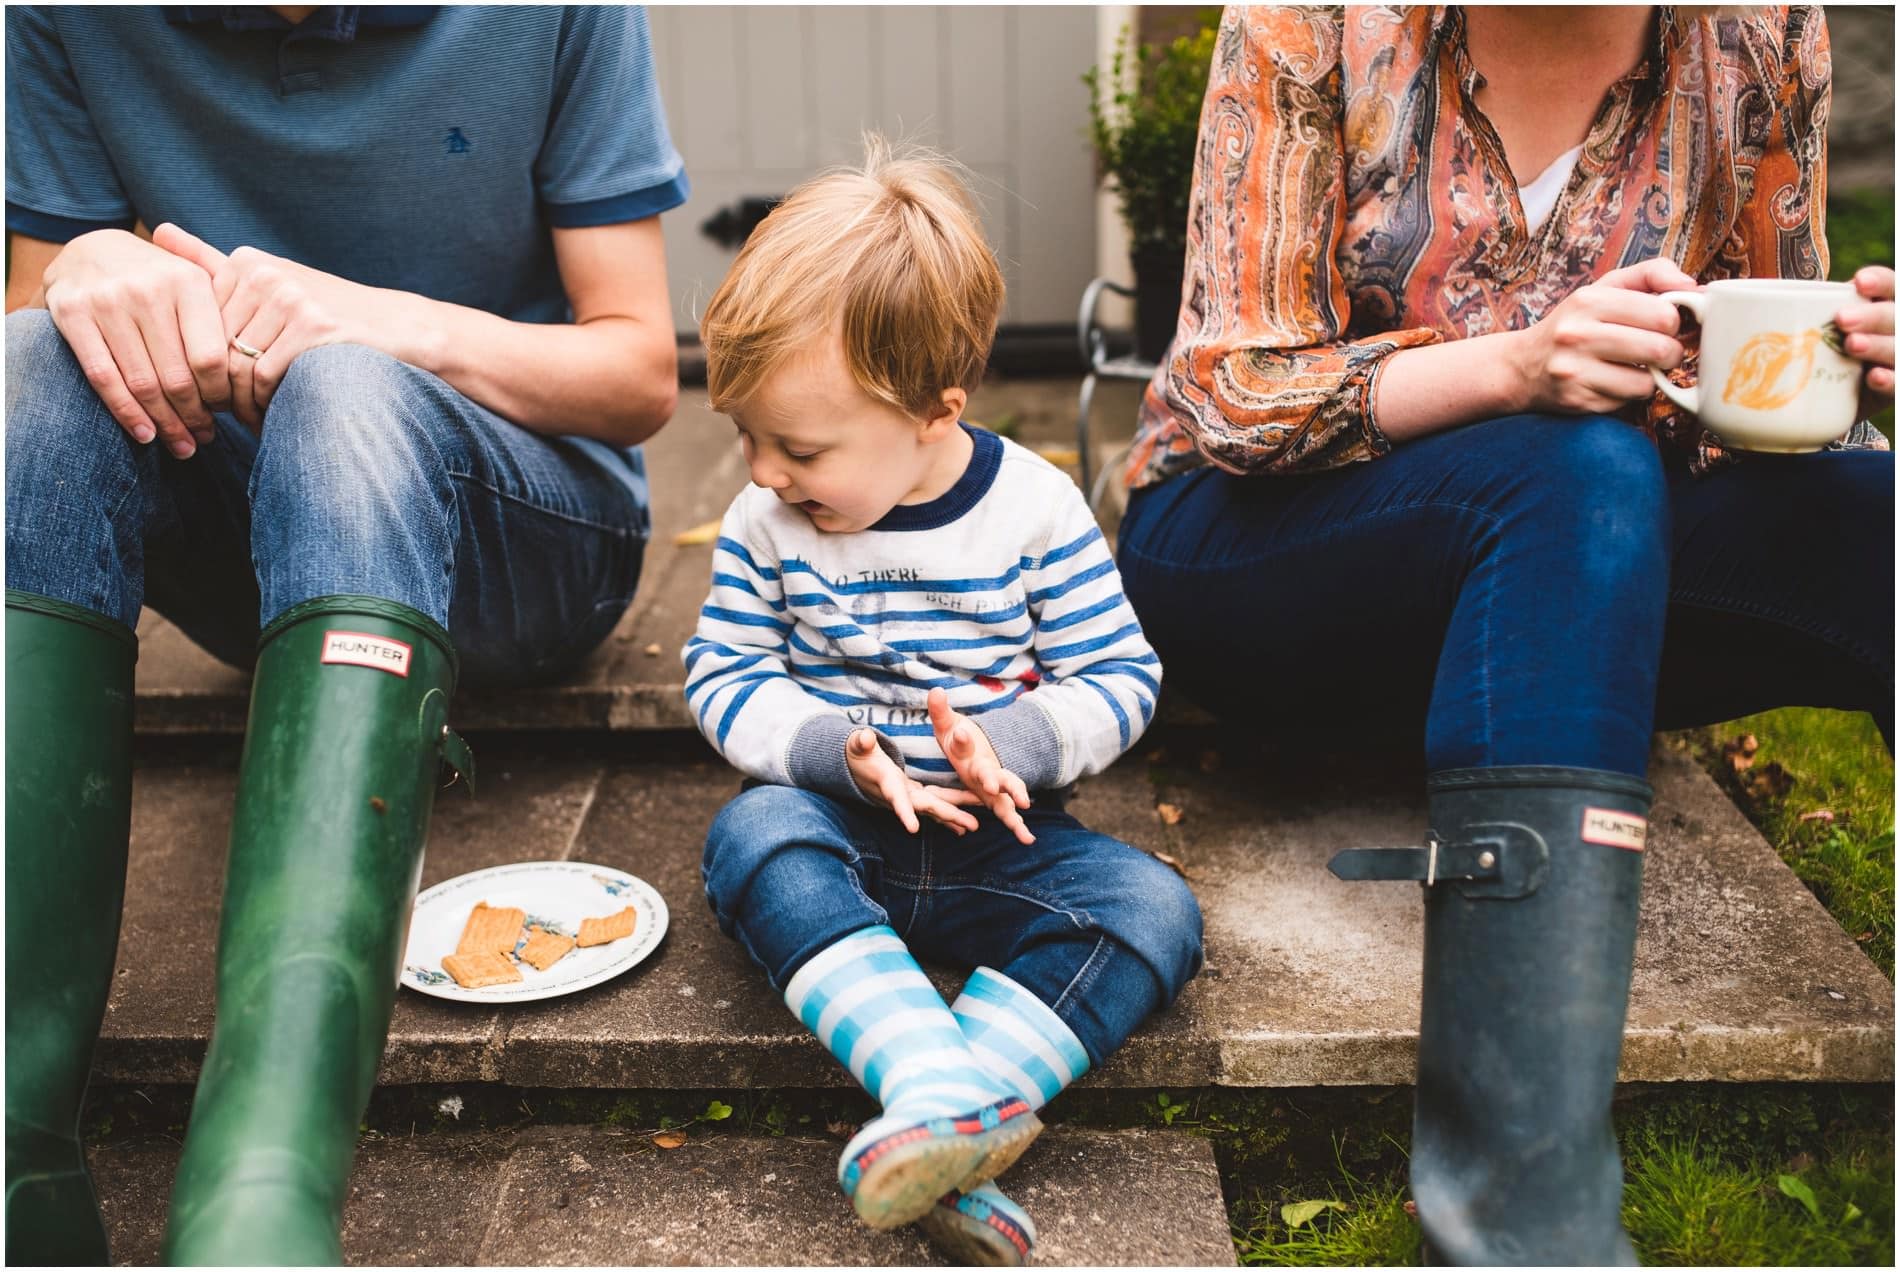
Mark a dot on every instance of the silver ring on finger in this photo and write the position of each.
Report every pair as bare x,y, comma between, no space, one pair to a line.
249,351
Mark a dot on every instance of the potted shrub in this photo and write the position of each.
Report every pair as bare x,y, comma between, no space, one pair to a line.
1144,113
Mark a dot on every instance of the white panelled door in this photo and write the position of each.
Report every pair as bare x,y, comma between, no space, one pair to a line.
759,98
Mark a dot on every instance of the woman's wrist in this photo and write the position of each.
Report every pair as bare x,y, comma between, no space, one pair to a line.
1435,387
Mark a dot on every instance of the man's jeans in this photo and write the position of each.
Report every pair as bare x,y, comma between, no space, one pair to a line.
371,477
1530,590
1100,931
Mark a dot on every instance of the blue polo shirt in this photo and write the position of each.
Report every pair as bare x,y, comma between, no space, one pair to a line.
420,148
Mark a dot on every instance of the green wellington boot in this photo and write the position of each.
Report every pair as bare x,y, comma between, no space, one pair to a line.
1532,878
347,734
69,810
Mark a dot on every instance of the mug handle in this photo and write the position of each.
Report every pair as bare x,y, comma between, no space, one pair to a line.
1688,399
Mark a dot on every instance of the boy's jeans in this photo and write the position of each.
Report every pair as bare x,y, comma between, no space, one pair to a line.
371,477
1100,931
1530,590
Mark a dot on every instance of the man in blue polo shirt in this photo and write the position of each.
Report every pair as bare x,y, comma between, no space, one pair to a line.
372,385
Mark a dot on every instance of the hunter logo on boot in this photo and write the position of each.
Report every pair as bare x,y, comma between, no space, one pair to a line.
360,649
1616,830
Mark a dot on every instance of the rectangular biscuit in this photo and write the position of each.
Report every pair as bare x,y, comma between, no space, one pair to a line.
480,970
544,949
491,929
607,928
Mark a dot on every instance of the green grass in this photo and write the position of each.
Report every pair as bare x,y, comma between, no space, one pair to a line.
1834,826
1782,1175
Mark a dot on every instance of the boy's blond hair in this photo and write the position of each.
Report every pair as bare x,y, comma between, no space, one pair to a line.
888,255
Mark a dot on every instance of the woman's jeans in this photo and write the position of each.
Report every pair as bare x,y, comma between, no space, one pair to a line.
1100,931
370,477
1530,590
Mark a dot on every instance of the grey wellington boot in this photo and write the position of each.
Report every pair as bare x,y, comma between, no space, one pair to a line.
1533,877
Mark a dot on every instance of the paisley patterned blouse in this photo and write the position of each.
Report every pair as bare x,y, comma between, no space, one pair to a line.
1350,200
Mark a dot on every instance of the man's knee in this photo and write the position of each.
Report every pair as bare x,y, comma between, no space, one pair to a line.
350,428
56,426
348,405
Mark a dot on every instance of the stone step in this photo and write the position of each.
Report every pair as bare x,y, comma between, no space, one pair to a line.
596,1196
694,469
1740,973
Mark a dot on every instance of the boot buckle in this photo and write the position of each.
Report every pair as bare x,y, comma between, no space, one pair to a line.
1496,859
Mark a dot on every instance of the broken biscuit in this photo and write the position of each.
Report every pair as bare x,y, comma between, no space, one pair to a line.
544,948
480,970
491,930
607,928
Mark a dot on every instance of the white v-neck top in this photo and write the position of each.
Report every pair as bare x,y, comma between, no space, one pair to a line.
1538,197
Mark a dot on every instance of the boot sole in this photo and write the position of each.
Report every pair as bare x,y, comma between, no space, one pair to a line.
906,1179
971,1243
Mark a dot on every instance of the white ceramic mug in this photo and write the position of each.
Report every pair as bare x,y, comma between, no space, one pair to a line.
1772,375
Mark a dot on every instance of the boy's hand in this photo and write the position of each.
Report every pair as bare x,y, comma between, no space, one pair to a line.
879,777
969,751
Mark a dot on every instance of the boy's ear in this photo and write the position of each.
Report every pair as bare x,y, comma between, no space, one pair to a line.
948,411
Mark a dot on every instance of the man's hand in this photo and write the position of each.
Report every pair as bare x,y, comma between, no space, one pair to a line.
880,778
279,308
969,751
144,328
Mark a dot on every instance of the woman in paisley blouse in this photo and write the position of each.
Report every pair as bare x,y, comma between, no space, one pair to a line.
1403,472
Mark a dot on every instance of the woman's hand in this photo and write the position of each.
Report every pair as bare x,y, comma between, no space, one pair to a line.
145,329
969,751
278,308
887,785
1869,331
1591,354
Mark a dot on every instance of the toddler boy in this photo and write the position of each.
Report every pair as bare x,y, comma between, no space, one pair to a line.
916,641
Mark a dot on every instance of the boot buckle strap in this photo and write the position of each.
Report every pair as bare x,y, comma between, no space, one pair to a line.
455,753
1500,859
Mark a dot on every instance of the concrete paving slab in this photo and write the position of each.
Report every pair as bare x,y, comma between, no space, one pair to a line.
1740,974
159,1017
593,1196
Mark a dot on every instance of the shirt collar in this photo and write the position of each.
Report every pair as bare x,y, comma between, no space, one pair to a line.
986,458
337,22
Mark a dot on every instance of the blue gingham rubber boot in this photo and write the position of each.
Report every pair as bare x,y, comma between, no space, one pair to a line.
945,1118
981,1228
1022,1043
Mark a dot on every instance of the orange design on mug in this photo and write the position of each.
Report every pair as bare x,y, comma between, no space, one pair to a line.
1771,370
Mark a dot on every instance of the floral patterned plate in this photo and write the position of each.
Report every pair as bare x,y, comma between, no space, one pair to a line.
557,895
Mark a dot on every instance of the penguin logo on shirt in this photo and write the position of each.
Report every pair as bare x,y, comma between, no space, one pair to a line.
456,144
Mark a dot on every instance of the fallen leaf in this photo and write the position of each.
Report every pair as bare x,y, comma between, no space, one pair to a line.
1210,761
1769,782
669,1139
653,650
1158,756
1799,1191
699,534
1170,813
840,1130
1819,814
1411,1207
1297,1214
377,802
1171,863
717,1111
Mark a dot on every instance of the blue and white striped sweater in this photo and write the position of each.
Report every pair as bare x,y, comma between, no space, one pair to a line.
1014,608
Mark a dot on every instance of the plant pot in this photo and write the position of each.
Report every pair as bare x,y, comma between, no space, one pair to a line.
1158,272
